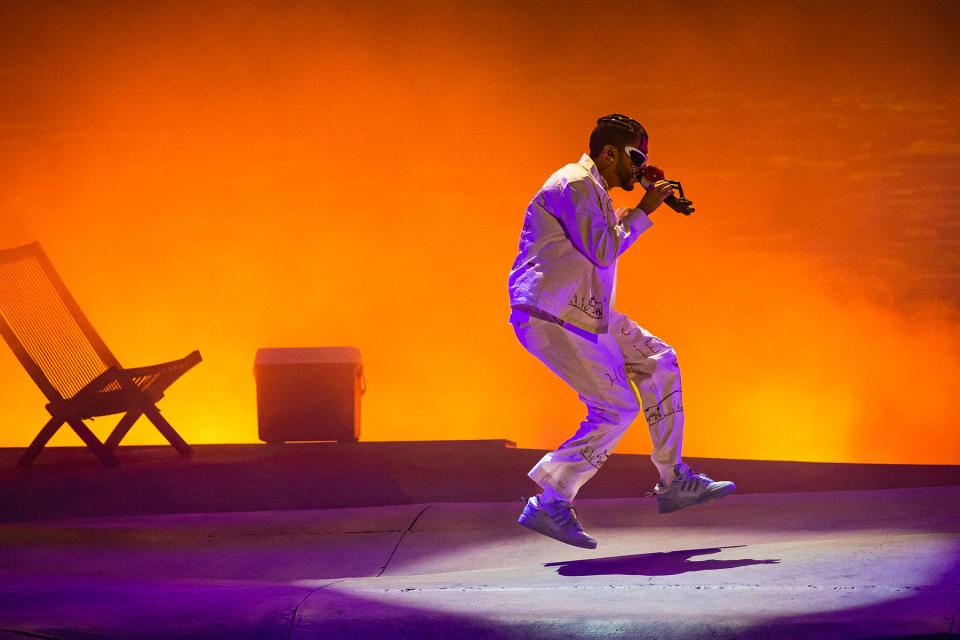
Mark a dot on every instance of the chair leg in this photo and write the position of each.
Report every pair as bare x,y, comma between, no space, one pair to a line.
40,441
164,428
98,448
122,428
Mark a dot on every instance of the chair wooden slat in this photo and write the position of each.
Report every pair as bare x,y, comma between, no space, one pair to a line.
69,362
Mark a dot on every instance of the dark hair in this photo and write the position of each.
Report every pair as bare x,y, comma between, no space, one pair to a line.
615,129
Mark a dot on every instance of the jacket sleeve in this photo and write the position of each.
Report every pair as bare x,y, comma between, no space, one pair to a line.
592,224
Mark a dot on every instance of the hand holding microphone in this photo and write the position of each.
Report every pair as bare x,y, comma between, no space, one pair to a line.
657,192
660,190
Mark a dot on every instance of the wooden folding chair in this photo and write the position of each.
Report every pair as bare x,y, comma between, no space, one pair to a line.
73,367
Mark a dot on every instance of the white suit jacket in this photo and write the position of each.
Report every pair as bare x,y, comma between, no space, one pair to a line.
571,239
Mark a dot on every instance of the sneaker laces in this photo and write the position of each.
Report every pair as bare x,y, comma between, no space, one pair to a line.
690,473
695,473
555,506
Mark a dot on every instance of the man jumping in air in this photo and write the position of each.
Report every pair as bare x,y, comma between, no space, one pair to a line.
562,290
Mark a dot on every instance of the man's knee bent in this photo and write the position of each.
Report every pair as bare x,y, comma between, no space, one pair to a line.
622,413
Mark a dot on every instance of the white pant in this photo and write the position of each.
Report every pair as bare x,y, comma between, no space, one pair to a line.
601,371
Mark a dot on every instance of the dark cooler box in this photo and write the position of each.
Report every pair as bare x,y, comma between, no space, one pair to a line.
309,394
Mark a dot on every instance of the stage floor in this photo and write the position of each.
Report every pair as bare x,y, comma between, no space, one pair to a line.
69,482
840,564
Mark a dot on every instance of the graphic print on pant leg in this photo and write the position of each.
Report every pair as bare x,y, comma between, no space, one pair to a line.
618,376
652,346
611,409
592,442
595,457
658,412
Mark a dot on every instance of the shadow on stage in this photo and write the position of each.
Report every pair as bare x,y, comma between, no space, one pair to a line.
668,563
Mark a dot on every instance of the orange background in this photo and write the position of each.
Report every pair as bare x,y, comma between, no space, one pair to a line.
229,176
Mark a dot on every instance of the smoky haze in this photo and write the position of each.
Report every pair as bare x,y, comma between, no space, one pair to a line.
230,176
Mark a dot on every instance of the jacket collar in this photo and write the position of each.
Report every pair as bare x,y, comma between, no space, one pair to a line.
587,163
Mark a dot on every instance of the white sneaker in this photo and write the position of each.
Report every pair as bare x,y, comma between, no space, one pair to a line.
557,520
689,488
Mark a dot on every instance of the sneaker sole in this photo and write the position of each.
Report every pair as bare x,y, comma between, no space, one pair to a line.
704,499
534,525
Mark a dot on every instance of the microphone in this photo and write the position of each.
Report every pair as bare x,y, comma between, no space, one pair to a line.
681,204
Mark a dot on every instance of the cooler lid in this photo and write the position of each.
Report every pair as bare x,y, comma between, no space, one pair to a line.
306,355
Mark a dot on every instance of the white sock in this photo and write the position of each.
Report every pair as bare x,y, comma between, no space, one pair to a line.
669,476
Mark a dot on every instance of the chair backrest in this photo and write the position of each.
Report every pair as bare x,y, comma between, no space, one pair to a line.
45,327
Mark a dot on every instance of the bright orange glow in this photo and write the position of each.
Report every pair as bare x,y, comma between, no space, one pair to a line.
232,176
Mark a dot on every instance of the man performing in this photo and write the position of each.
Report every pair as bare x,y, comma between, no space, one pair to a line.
562,290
